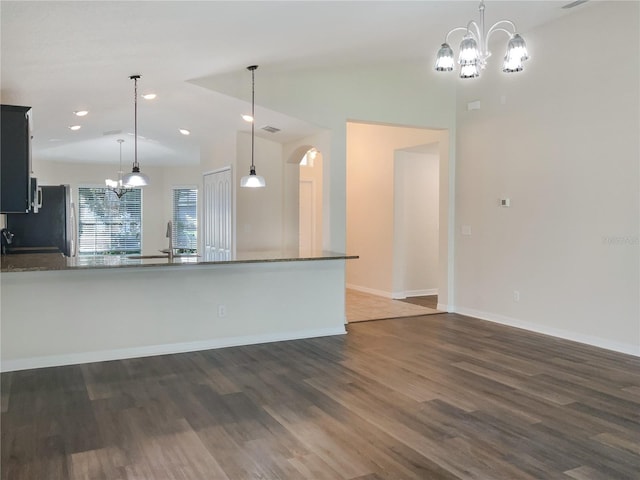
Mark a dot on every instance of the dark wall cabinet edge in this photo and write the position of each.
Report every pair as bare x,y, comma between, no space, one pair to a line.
15,159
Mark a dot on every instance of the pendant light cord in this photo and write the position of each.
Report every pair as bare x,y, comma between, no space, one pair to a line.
135,120
253,108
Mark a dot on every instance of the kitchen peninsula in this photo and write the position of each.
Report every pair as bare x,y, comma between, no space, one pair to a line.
77,310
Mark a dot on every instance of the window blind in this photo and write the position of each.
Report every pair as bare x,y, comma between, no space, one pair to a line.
108,225
185,219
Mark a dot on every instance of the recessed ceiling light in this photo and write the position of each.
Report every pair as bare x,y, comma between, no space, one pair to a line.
149,96
80,113
184,131
247,118
75,127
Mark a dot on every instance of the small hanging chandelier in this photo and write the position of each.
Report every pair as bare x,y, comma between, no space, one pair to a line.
252,180
135,178
117,186
474,49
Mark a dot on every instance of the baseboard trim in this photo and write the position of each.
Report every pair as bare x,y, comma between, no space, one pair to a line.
626,348
393,295
153,350
415,293
443,307
372,291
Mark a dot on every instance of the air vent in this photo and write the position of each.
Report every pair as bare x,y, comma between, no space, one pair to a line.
111,132
575,4
270,129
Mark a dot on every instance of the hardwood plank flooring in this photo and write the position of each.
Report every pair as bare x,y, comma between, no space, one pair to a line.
430,397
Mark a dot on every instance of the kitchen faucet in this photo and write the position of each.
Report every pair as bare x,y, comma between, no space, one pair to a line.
7,239
170,237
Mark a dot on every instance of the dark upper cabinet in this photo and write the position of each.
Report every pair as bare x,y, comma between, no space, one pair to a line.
15,159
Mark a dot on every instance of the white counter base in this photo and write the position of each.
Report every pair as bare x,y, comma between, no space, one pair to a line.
52,318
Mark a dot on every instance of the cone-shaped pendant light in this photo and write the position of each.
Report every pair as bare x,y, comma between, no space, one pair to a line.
135,178
252,180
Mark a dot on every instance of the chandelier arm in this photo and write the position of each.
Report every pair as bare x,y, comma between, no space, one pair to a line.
496,26
478,36
499,29
453,30
478,33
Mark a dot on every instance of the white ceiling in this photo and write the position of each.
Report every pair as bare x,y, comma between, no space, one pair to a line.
63,56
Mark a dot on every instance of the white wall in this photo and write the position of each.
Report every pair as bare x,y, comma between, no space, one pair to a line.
416,236
156,197
259,211
395,93
561,140
370,199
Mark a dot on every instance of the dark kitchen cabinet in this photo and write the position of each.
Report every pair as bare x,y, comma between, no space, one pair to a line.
15,159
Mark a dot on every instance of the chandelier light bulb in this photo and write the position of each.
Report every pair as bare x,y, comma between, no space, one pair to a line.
469,53
444,60
517,48
512,65
469,71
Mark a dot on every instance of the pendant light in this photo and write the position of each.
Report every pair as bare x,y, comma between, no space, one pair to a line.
252,180
135,178
117,186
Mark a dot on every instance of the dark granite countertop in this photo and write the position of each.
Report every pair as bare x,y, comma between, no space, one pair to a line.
32,262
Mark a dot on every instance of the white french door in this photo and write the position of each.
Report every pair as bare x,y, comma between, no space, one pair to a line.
218,215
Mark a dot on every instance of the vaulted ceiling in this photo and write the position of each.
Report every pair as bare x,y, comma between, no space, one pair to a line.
59,57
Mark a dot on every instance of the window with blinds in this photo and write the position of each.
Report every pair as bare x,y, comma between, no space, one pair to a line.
108,225
185,220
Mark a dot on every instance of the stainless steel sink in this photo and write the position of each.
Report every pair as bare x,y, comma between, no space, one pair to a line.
178,255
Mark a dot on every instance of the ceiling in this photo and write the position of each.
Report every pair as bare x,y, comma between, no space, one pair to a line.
59,57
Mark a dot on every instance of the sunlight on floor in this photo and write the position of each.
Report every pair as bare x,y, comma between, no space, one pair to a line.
364,306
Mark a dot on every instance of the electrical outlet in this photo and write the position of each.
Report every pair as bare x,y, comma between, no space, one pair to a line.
516,295
222,311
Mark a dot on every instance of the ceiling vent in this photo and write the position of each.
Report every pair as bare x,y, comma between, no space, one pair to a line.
270,129
112,132
575,4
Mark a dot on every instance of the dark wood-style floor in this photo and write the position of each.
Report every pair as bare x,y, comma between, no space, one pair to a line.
433,397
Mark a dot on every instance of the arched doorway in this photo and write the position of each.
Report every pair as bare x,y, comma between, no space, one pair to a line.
309,163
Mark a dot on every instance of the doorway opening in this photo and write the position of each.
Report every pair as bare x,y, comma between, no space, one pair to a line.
398,215
309,163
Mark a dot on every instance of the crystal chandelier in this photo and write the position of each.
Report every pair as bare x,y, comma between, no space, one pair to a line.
117,186
474,48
